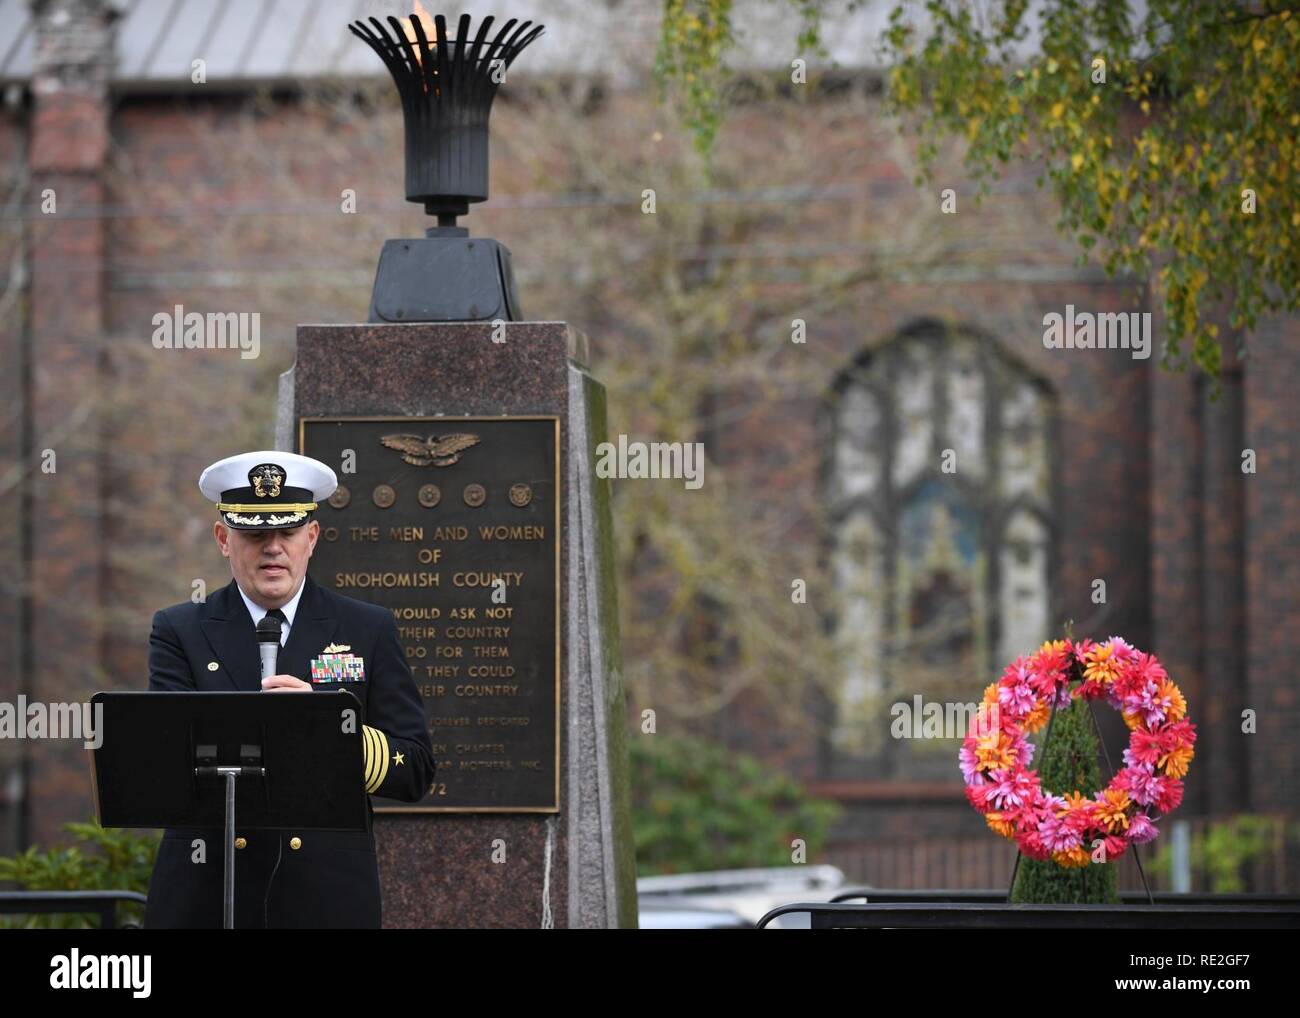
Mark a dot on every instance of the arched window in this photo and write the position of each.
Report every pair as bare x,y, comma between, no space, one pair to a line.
939,504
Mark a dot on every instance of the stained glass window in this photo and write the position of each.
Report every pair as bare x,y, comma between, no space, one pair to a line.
939,503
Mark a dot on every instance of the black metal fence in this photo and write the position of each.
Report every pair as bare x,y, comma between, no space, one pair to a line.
983,860
978,915
104,904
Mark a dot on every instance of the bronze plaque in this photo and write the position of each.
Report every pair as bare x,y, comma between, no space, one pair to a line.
474,585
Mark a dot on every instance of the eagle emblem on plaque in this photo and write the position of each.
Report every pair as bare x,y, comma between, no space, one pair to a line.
436,450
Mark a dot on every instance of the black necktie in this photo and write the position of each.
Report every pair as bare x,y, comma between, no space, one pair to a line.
275,613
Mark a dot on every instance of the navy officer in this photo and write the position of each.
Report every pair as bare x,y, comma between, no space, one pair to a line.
265,501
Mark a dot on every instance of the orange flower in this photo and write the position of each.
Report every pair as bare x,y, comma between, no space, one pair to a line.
1000,824
1112,809
995,750
1175,763
1100,664
1132,720
1075,857
1036,718
1076,802
1177,704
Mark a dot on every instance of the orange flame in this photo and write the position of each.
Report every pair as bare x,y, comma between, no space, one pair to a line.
426,22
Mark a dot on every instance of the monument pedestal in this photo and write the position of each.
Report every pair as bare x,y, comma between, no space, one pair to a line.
528,823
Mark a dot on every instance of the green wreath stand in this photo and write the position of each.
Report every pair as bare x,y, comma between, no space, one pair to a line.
1070,761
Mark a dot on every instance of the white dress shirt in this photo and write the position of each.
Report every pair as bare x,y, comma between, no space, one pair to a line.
257,611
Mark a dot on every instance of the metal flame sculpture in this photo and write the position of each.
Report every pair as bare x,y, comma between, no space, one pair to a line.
447,86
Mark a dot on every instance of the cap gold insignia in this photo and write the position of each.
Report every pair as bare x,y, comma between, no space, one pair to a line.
271,474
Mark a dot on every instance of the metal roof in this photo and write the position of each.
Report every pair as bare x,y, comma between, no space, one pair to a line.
258,41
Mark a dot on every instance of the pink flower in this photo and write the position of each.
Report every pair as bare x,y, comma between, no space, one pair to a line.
1145,748
968,764
1115,845
1015,695
1092,689
1149,703
1141,829
1057,835
1145,669
1122,649
1170,794
1031,844
1175,736
1031,813
1011,788
977,794
1140,782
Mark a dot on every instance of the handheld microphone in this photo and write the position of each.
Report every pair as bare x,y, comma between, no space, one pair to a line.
268,644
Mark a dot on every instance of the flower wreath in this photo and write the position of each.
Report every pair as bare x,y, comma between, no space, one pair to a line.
996,753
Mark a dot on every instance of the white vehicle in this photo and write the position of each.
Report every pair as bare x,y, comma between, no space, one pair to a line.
727,898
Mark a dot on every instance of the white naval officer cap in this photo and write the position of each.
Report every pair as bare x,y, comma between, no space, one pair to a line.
267,489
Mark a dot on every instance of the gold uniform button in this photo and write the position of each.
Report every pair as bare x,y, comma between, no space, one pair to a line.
295,843
213,666
241,842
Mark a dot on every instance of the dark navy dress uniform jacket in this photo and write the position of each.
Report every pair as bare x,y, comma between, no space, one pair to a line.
331,879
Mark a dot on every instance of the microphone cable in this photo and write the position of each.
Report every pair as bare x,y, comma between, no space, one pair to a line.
270,883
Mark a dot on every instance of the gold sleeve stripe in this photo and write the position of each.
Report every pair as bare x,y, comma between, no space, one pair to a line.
368,744
382,741
376,759
381,752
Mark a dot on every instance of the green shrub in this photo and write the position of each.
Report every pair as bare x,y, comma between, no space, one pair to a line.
1223,851
116,860
699,806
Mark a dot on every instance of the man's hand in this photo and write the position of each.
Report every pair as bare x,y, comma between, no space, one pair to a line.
281,683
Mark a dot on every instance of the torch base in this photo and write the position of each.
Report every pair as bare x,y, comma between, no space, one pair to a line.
444,279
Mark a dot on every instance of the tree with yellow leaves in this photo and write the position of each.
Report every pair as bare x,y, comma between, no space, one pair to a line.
1167,130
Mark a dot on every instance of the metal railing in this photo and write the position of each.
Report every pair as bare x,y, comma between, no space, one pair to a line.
103,904
984,910
993,896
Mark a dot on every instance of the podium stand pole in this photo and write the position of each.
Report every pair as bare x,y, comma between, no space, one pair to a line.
228,890
231,774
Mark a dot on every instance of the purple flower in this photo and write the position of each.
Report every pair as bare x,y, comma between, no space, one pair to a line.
1141,829
1017,699
1011,788
1141,782
1057,835
1149,703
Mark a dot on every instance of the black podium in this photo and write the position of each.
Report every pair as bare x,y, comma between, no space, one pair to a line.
280,761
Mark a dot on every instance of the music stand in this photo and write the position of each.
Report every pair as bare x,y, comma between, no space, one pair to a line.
286,761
